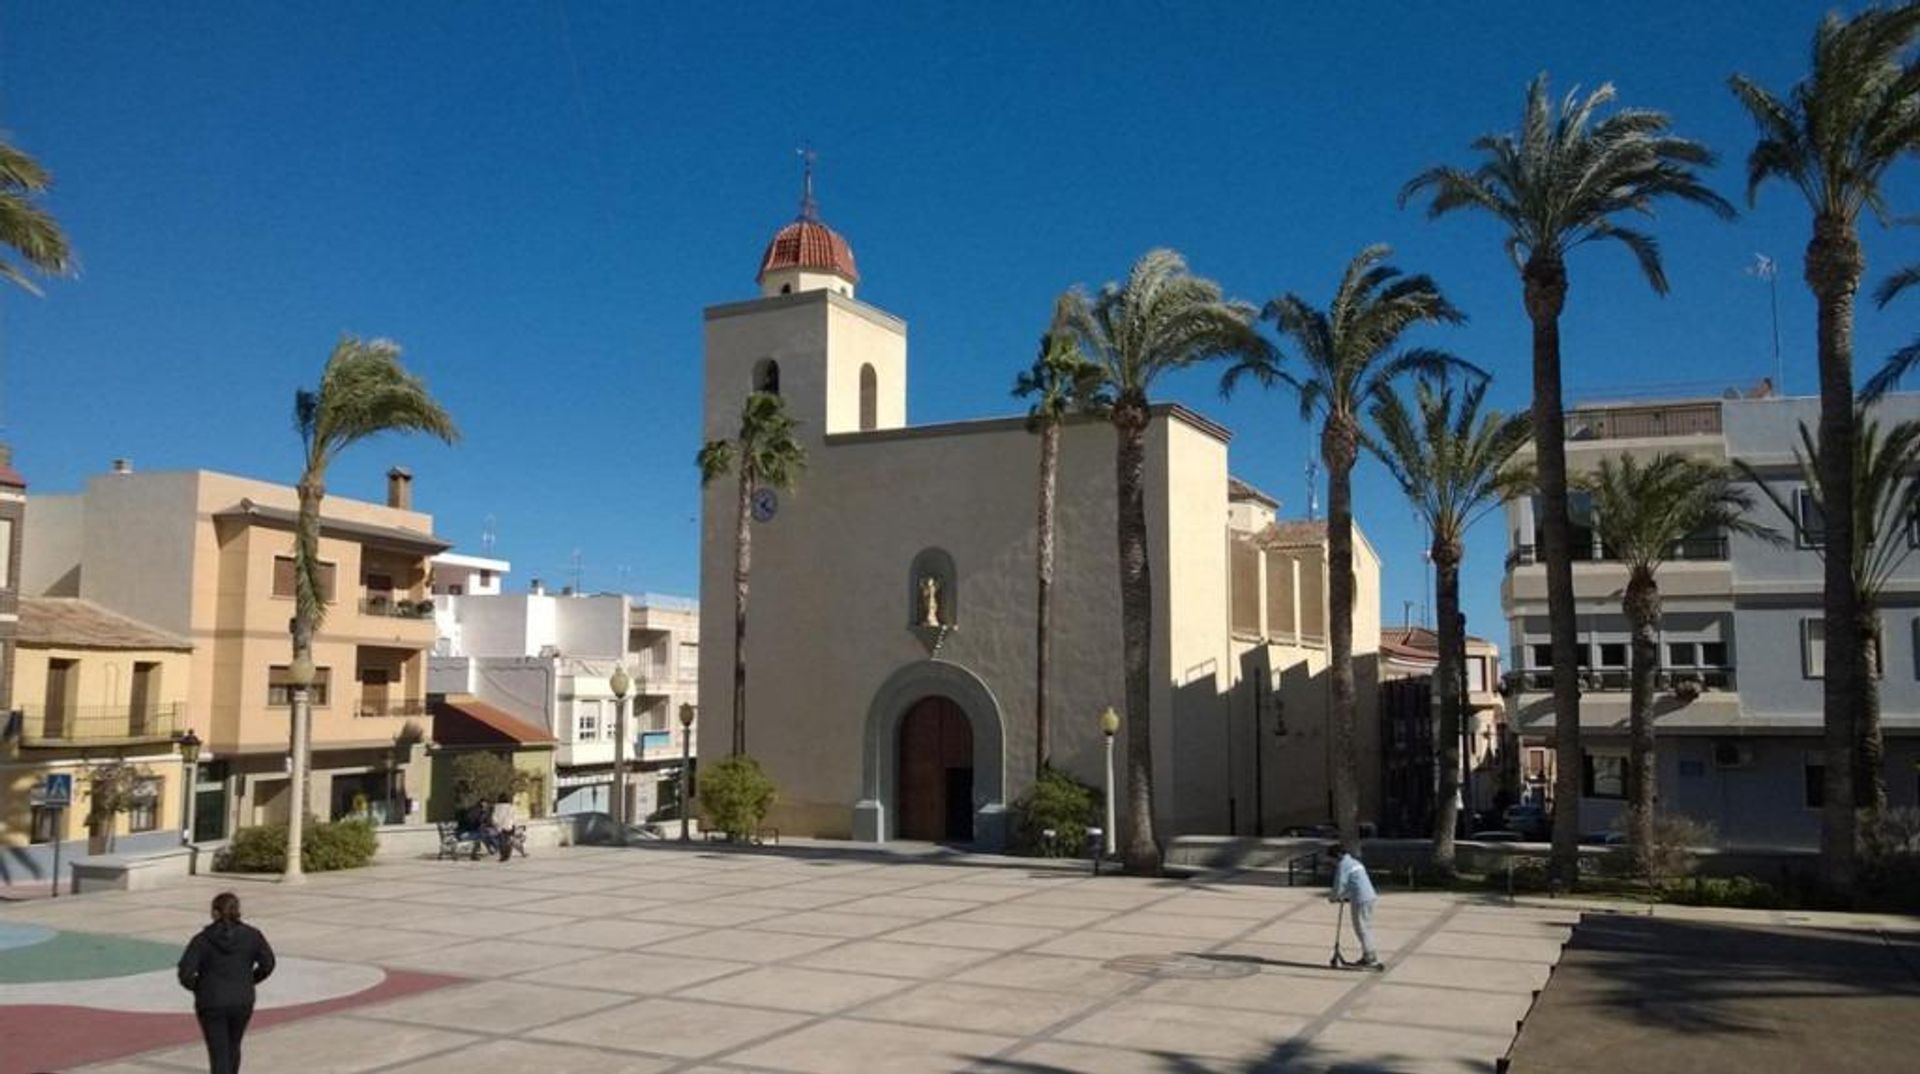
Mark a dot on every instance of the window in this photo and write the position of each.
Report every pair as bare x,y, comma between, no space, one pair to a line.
1692,769
453,590
869,397
486,576
766,376
1606,776
1536,765
1683,654
1713,654
1542,656
1812,523
280,691
1613,654
43,824
6,553
283,584
1815,783
144,814
1813,648
689,656
1580,536
586,716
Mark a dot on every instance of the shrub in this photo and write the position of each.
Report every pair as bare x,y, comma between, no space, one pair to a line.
735,795
346,844
1529,874
485,777
1058,802
1736,891
1671,854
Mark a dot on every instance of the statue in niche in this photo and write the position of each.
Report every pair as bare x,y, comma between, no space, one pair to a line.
929,601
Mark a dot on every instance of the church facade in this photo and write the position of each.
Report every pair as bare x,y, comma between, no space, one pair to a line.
891,623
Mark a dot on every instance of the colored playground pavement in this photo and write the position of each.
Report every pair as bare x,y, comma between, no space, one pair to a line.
803,960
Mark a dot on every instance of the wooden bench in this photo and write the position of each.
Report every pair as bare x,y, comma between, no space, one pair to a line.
453,841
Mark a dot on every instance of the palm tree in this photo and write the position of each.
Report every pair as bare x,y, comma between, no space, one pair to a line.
1644,512
1885,494
1453,463
25,228
1061,380
766,455
363,391
1561,181
1902,361
1834,137
1163,318
1346,348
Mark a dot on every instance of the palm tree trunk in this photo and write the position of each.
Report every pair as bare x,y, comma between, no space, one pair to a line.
1545,278
1130,416
1833,269
1339,446
1869,770
1449,684
300,734
742,562
1642,608
1043,613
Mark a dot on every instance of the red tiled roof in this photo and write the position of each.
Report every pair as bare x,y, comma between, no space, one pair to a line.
809,244
1238,490
465,720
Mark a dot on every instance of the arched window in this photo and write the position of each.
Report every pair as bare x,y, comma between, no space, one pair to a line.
766,376
933,590
786,288
869,397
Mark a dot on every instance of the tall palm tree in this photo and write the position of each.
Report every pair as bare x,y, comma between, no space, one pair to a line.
1885,495
1162,319
1902,361
364,391
1348,351
1061,381
1563,180
1644,512
1454,464
1833,138
765,454
25,227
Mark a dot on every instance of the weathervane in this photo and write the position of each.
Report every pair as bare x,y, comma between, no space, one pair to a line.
809,209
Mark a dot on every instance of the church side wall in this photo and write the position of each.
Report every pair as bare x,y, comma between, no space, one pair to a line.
1194,595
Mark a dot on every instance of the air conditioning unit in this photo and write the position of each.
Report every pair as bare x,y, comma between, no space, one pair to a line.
1732,755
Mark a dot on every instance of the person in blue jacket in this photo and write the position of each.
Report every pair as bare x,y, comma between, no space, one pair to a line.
1353,886
220,967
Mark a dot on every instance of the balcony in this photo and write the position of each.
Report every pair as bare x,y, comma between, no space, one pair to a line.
1644,422
1619,680
101,725
381,708
1694,549
393,607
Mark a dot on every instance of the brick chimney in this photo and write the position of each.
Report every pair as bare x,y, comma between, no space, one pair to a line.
400,488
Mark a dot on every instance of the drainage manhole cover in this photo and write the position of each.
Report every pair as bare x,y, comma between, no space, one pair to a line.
1183,967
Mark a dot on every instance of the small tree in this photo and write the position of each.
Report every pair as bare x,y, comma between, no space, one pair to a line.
735,796
485,777
112,789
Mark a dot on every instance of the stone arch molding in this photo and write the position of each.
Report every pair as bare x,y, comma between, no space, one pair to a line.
880,748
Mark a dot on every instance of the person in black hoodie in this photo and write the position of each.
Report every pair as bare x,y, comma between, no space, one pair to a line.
220,967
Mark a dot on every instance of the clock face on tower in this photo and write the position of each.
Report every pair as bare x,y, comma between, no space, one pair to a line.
765,505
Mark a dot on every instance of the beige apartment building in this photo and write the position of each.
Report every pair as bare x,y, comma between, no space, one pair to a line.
209,557
890,669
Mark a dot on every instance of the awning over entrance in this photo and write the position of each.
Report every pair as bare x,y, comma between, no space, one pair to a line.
465,720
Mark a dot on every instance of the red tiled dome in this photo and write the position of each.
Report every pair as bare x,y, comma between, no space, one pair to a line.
809,244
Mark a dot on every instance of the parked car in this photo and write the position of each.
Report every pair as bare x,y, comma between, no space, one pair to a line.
1531,821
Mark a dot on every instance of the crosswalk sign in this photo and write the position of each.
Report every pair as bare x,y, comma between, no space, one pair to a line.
56,791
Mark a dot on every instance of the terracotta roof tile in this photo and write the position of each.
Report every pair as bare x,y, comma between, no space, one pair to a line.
809,244
70,622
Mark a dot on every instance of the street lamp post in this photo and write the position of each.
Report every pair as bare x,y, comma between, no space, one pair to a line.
1110,726
686,765
300,676
620,683
190,765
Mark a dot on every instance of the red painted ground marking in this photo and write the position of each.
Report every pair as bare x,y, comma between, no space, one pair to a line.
44,1037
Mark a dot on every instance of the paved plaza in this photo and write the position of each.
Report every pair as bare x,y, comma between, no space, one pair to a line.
701,960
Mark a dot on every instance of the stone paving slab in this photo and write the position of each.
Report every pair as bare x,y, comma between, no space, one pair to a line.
810,960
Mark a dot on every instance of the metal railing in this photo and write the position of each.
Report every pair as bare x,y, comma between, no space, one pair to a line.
1620,680
397,607
380,709
87,724
1638,422
1696,549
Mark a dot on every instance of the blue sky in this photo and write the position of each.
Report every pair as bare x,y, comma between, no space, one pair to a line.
538,199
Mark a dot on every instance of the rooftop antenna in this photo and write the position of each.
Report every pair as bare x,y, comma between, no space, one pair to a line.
1406,615
1766,268
809,209
486,534
1313,488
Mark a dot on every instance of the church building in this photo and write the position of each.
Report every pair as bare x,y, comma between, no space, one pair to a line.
891,622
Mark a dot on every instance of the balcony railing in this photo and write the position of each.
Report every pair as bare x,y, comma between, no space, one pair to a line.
1619,680
80,725
397,607
1697,549
1640,422
381,709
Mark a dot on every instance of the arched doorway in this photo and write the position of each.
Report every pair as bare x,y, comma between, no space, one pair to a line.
935,773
